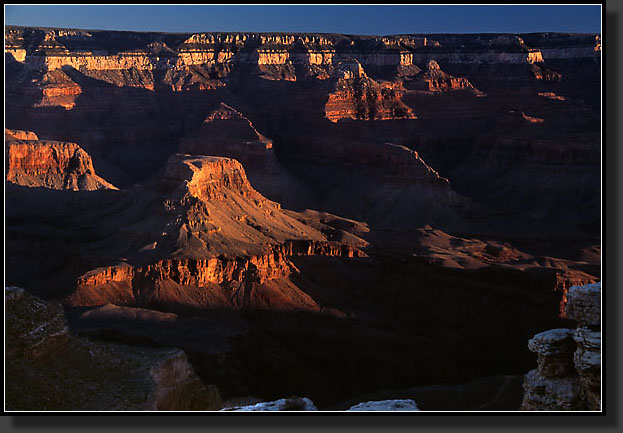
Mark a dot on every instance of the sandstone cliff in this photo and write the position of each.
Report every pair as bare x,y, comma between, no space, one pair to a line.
51,164
271,53
358,97
433,79
210,230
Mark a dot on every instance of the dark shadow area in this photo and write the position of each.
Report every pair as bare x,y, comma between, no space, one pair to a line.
406,324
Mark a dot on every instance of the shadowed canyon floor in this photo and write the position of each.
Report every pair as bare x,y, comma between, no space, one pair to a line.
330,216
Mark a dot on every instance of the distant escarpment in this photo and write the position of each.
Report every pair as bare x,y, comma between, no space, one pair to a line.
201,60
97,81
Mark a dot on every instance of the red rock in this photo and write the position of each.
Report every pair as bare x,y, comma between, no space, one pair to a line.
227,132
214,230
20,135
433,79
358,97
540,72
52,164
531,119
58,89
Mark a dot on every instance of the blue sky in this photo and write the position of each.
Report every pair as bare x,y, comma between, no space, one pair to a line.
362,19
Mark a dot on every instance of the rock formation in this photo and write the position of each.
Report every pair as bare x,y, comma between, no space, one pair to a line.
358,97
102,376
433,79
12,134
51,164
568,376
223,129
209,230
149,52
227,132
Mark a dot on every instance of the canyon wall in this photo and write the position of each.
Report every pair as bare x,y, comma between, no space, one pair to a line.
93,51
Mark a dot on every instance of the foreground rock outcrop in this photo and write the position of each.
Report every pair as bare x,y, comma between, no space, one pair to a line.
49,368
568,376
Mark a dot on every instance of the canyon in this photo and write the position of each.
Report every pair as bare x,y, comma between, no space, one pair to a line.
336,217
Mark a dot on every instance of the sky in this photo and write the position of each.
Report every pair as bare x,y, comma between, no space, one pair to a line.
351,19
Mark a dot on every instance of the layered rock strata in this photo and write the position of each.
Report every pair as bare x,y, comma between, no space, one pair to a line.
210,230
568,376
51,164
358,97
433,79
223,276
273,54
195,239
